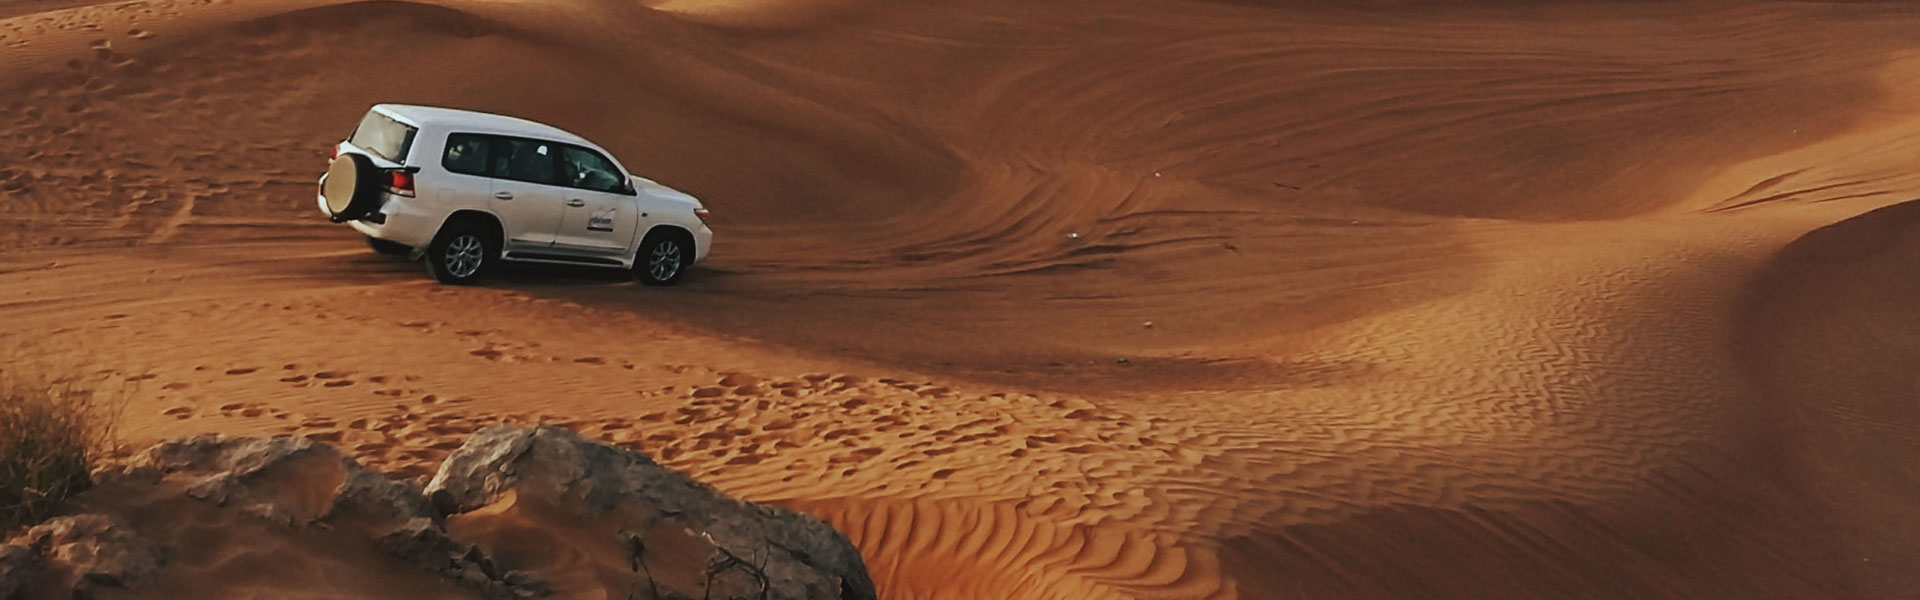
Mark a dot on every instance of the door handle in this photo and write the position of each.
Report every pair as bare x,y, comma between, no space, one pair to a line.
576,202
503,195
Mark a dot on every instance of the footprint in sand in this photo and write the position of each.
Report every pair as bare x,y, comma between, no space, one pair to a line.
338,383
241,371
450,429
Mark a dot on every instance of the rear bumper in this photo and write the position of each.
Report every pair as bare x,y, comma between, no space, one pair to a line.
398,220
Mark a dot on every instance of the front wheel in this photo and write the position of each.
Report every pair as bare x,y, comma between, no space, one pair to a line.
663,258
461,254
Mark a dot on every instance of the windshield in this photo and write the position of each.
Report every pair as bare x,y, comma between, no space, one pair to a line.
384,137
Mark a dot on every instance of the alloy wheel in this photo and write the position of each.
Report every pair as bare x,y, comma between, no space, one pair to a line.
664,263
464,255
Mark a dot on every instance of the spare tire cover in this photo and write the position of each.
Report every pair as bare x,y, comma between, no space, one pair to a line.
352,190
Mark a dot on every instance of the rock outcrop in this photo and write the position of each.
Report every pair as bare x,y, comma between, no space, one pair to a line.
424,543
292,481
743,550
20,566
81,553
483,523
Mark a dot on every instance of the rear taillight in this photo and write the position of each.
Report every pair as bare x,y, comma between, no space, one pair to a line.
703,214
334,152
399,182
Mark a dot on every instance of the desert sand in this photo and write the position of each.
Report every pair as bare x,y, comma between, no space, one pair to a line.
1061,300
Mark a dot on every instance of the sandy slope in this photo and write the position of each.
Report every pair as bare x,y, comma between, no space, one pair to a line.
1493,300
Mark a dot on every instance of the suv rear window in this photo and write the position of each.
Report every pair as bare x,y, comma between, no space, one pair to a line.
384,137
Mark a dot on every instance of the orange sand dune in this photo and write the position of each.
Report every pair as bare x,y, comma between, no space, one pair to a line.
1146,299
1825,340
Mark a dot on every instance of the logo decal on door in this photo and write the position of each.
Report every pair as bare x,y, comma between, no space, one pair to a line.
602,220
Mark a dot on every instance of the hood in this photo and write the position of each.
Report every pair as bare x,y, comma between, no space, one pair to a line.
654,189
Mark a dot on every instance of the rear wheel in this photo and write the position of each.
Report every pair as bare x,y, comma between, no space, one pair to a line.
663,258
461,254
388,248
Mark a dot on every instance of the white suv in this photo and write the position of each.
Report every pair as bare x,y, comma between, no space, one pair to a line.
467,189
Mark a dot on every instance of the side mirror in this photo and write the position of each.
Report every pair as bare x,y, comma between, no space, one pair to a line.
626,187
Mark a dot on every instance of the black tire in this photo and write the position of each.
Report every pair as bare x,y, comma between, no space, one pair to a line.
387,247
663,257
462,254
352,190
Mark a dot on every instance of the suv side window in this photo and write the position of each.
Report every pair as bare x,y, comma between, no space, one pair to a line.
588,170
518,159
467,154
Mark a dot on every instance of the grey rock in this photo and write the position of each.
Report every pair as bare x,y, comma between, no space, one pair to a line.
20,566
754,551
243,472
424,543
96,552
273,479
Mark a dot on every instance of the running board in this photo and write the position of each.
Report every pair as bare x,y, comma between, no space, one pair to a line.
562,258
